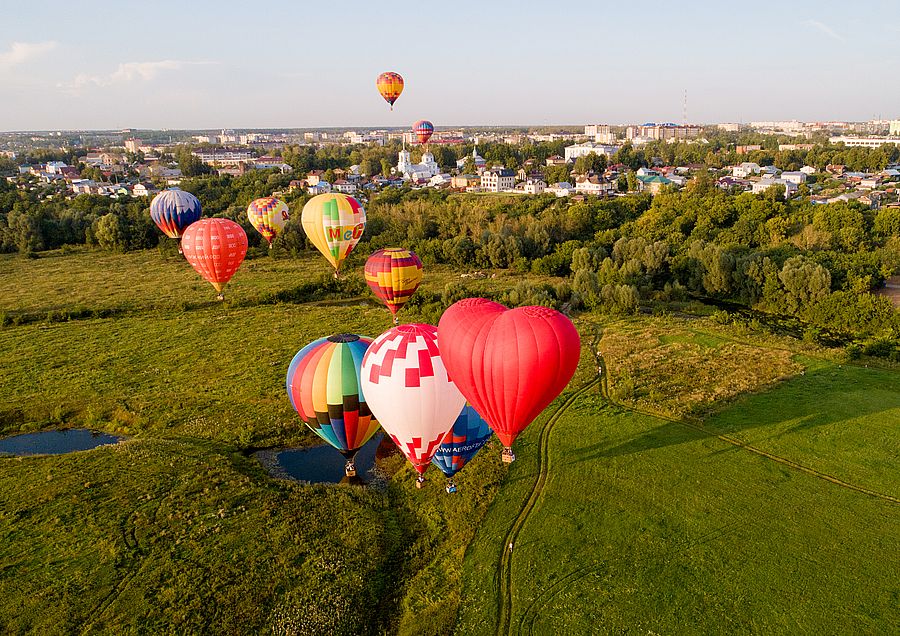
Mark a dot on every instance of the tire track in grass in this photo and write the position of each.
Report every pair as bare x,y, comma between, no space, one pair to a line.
504,605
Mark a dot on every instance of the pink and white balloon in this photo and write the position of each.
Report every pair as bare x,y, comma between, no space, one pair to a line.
408,390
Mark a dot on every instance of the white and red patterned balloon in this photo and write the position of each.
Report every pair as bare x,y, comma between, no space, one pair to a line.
408,390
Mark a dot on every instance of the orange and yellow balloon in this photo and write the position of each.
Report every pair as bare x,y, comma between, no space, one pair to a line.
334,223
390,85
393,275
268,215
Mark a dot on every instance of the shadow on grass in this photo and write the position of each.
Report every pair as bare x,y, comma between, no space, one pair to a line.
822,397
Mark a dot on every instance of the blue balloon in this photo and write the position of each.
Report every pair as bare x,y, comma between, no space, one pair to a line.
173,210
470,432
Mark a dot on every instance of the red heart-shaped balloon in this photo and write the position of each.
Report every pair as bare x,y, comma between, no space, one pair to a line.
508,363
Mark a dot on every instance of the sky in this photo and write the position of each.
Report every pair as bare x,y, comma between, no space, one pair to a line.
280,64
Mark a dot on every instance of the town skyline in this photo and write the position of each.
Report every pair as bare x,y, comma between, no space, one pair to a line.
497,65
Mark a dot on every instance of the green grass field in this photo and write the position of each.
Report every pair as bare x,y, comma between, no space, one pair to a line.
650,525
724,481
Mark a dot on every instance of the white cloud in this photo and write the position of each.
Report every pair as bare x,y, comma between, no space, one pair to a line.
20,52
824,28
128,72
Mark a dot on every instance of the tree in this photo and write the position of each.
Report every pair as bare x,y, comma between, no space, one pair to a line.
109,232
804,281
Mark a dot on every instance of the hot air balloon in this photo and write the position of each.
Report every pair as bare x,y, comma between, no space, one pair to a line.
268,215
423,129
470,432
215,248
390,85
408,390
509,363
334,223
324,388
393,275
173,210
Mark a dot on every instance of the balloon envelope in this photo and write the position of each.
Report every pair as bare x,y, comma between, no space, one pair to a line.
390,85
334,223
174,210
509,363
324,388
268,215
393,275
215,248
470,432
423,129
409,391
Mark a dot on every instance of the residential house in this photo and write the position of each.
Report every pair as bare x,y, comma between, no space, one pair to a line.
440,180
142,190
594,185
498,180
343,186
587,148
55,167
797,177
313,178
847,197
463,181
652,183
746,169
770,170
790,188
533,186
808,170
727,183
562,189
556,160
870,182
321,187
84,186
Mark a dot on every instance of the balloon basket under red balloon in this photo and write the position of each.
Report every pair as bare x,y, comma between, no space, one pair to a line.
220,296
420,481
508,456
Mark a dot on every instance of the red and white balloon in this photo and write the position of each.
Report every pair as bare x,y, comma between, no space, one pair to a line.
408,390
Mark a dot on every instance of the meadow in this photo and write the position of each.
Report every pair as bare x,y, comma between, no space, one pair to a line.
717,479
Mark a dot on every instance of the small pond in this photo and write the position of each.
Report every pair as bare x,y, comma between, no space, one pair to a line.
321,464
55,442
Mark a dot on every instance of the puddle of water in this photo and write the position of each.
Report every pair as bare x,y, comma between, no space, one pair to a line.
321,464
55,442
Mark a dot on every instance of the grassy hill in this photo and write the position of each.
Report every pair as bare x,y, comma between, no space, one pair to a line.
718,479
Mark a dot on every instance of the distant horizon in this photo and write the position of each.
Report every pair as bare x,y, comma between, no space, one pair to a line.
136,129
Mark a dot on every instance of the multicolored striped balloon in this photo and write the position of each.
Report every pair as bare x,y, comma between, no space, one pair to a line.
268,215
334,223
470,432
423,129
174,210
390,85
324,388
393,275
215,248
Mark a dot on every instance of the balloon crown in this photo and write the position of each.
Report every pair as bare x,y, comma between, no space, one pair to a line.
415,328
343,337
538,311
472,302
